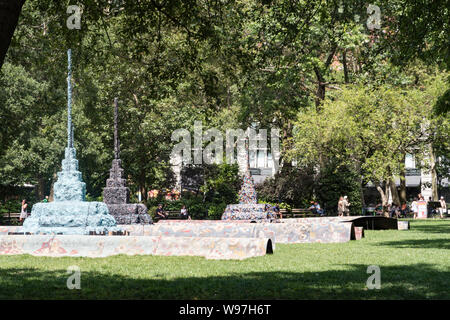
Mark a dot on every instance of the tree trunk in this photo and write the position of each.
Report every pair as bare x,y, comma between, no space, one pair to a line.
384,198
41,188
402,193
434,184
9,16
344,63
394,192
52,190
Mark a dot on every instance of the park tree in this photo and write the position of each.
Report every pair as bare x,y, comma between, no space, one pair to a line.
370,129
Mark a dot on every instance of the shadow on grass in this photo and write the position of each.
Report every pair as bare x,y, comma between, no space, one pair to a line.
397,282
429,228
420,243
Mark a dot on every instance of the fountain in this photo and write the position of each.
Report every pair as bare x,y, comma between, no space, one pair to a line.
70,213
248,207
116,195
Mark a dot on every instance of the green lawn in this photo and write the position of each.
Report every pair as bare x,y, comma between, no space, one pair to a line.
414,264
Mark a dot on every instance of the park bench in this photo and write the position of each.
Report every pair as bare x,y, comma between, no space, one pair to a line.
171,215
11,216
297,213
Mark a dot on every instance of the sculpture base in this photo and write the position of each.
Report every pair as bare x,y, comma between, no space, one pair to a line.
130,213
250,211
70,217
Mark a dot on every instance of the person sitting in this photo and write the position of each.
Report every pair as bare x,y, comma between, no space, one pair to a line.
276,210
315,208
443,207
312,208
160,213
394,209
184,213
379,209
403,210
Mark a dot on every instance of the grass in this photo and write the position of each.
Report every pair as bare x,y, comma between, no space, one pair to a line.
414,264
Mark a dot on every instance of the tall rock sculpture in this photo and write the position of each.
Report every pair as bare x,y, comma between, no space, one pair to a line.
248,207
116,195
69,213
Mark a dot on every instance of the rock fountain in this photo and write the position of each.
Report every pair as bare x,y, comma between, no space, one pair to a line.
70,213
116,194
248,207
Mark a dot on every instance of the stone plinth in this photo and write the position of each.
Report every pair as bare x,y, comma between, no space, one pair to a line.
69,213
116,196
250,211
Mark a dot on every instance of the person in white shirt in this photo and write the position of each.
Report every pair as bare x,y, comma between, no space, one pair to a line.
414,207
443,208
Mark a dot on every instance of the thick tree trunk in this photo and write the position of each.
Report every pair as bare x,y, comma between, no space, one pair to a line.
384,198
394,192
9,16
41,188
52,190
143,192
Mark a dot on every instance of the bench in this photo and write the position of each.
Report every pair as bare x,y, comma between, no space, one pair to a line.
297,213
171,215
11,216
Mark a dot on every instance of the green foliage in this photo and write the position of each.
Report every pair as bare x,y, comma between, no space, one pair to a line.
229,64
10,206
291,185
334,182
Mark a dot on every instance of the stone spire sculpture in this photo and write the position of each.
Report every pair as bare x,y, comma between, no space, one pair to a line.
69,213
248,207
247,194
116,194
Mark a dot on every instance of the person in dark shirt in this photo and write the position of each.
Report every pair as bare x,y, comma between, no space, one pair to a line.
276,210
160,212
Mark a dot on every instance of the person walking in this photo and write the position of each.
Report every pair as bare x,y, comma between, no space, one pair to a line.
341,207
443,207
23,211
346,206
414,208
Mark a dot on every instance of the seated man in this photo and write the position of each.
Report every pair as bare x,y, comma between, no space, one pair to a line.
319,211
403,210
315,208
160,212
276,210
312,208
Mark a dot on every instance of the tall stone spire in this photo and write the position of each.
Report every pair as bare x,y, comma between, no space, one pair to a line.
116,194
69,100
70,213
116,130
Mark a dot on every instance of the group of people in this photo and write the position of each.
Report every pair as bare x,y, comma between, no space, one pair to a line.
403,209
441,209
343,206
